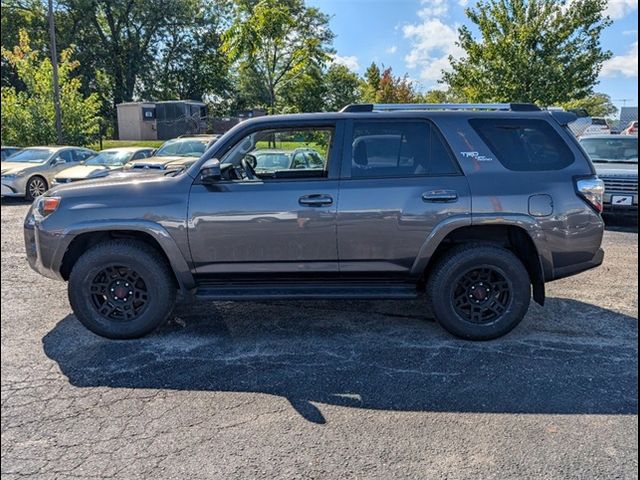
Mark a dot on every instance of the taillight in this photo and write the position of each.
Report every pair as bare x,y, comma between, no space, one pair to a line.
592,190
48,205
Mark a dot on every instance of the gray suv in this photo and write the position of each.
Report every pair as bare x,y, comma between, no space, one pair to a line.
472,207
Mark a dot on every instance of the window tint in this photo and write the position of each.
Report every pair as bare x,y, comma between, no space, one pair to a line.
524,145
399,149
84,154
141,154
294,153
67,156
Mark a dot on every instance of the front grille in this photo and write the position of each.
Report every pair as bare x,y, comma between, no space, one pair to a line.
620,184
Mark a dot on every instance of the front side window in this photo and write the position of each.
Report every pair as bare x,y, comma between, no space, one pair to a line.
524,145
67,156
399,149
294,153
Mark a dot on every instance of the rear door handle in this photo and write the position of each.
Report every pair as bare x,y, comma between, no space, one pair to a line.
316,200
440,196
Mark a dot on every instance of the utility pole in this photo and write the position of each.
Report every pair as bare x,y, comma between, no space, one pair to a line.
56,85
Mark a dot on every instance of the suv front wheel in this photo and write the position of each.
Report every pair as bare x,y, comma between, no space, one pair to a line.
121,289
479,292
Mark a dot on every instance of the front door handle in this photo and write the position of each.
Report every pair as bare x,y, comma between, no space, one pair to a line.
440,196
316,200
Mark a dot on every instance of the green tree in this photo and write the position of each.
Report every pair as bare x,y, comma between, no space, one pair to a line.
540,51
341,87
28,115
385,87
596,104
371,83
16,15
279,41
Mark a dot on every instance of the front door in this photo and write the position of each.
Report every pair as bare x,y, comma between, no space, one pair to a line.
278,219
399,181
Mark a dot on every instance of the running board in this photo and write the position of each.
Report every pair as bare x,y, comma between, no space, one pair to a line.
306,291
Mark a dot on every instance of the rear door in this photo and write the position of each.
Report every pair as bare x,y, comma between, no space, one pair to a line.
399,180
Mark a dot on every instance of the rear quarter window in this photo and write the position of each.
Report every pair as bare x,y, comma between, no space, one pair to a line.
524,145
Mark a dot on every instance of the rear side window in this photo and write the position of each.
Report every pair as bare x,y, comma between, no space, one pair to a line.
398,149
524,145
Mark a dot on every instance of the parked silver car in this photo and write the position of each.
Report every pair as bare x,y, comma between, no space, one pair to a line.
178,152
29,173
104,163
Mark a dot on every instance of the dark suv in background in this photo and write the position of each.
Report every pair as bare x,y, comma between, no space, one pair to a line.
474,206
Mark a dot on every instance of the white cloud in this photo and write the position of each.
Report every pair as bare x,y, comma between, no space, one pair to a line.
625,65
350,61
393,49
618,9
432,41
433,8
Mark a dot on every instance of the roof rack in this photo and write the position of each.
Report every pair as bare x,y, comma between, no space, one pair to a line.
390,107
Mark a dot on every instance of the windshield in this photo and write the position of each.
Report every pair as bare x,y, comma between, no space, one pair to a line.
110,159
603,150
32,155
182,148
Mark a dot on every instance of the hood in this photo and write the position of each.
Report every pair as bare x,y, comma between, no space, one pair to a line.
157,161
117,182
617,169
15,167
84,171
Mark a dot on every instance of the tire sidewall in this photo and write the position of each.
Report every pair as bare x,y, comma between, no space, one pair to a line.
160,292
513,271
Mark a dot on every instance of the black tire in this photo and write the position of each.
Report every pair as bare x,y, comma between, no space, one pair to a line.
479,292
100,275
30,191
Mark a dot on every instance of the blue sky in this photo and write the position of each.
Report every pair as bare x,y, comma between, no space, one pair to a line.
416,37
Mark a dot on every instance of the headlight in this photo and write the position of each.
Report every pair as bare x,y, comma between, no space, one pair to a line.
12,176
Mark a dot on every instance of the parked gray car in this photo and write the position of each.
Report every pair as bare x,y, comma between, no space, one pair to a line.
29,173
472,207
616,160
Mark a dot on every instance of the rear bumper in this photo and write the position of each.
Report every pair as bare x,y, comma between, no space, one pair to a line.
574,269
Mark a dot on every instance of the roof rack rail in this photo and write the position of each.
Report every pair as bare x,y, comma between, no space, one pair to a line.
390,107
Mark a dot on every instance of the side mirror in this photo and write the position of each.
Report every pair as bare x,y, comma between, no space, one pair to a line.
210,172
57,161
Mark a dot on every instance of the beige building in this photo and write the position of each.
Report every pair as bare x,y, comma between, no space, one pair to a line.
137,121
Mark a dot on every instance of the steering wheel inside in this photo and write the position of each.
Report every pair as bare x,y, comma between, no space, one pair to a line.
247,165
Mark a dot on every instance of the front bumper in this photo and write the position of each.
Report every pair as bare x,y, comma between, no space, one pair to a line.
14,187
611,208
45,250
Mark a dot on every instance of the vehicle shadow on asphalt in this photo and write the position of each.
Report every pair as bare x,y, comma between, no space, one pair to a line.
568,358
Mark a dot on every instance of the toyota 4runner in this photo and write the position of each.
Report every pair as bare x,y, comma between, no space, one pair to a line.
473,207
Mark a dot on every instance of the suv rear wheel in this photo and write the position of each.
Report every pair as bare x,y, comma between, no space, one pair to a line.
121,289
479,292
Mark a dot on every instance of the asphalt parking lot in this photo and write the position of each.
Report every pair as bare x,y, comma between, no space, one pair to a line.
367,390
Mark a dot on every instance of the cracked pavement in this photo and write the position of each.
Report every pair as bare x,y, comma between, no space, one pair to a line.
321,390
